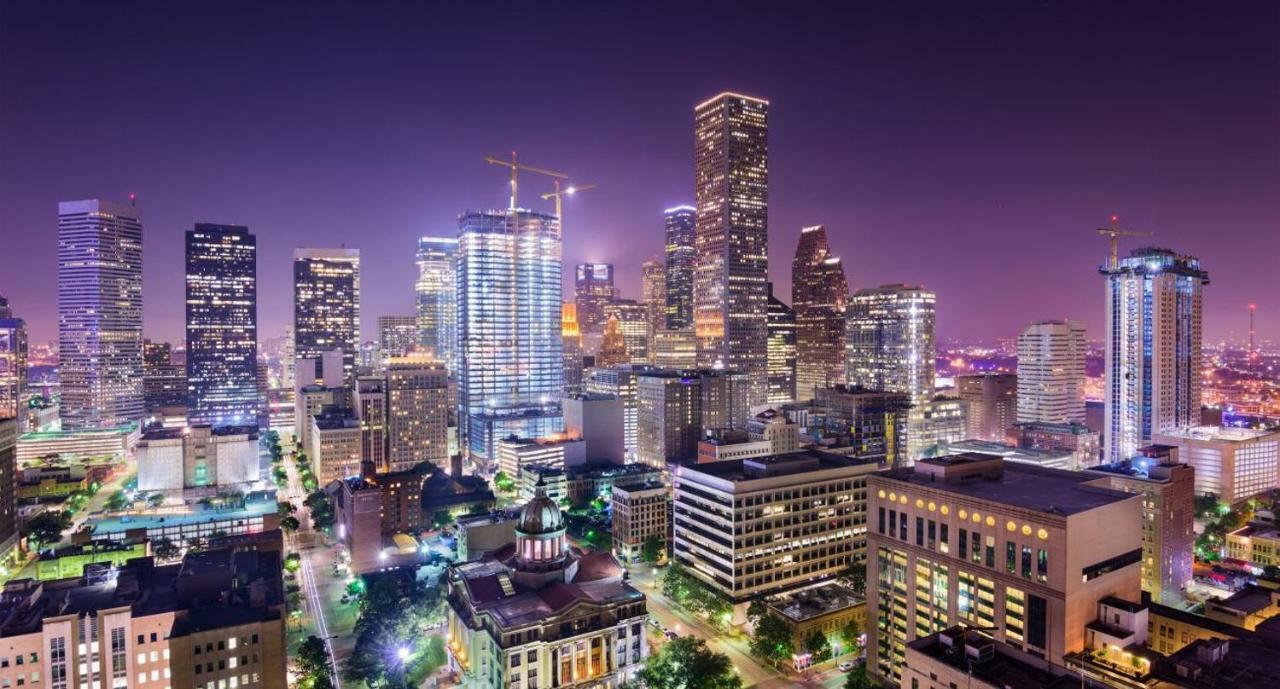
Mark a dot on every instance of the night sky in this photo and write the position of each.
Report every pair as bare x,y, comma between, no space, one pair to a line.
971,147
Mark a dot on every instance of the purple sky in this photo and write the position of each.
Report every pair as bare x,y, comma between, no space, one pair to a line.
972,150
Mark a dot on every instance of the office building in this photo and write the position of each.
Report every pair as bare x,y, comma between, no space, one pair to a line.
1234,464
379,515
198,456
99,314
1024,552
571,335
767,433
599,420
9,431
13,365
859,422
613,346
417,412
653,294
335,448
675,349
991,404
675,408
326,306
818,294
620,382
510,367
592,290
730,285
371,410
756,527
1076,438
580,485
1153,333
1256,544
437,298
536,613
101,444
890,342
164,383
514,454
312,400
640,513
681,257
1168,515
1051,372
222,325
781,351
215,618
397,336
633,326
827,608
933,425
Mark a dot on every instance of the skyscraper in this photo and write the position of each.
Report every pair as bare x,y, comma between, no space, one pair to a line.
1154,299
682,256
1051,356
99,313
990,404
13,366
730,287
890,340
417,412
371,409
222,325
437,298
782,351
592,290
326,305
653,293
818,295
571,339
633,323
510,367
397,336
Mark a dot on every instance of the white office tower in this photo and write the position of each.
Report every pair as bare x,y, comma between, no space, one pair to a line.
1154,303
1051,372
890,343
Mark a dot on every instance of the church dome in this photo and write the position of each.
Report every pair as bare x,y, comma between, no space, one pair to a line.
540,515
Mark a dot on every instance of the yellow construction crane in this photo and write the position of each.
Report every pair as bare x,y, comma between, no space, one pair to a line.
1113,233
558,195
516,167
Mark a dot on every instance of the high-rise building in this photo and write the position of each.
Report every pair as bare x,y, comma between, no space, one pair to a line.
417,412
371,410
397,336
681,256
818,295
653,281
1234,464
592,290
164,383
1051,372
675,349
619,381
13,365
675,408
222,325
781,351
890,341
1024,552
510,367
867,424
99,313
1153,335
730,287
991,404
437,298
633,324
613,346
9,430
571,335
326,305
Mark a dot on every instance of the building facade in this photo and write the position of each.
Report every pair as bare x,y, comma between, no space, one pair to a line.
437,298
593,290
681,257
633,326
890,341
13,365
1153,341
819,291
731,185
1051,371
222,324
417,412
397,336
781,351
571,337
326,305
675,408
641,513
991,404
653,294
198,456
371,410
1234,464
99,314
863,423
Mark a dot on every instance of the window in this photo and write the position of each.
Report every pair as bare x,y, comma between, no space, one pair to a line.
1010,557
1026,562
880,522
964,543
1042,565
893,522
920,531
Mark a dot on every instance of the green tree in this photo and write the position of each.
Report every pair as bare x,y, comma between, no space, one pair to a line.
756,611
849,635
155,499
651,551
313,662
165,549
818,645
290,523
687,663
503,482
857,678
856,574
1206,504
772,640
442,518
285,509
47,527
117,501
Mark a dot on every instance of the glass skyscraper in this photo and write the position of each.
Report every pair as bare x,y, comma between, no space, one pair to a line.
782,351
99,314
326,305
437,298
510,367
890,340
818,295
222,325
593,290
682,255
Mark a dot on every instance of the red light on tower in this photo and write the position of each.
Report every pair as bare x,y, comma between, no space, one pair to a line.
133,198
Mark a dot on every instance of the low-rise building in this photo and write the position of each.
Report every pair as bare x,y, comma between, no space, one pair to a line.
481,534
581,485
173,459
556,451
1076,438
258,513
1049,459
112,444
1256,544
827,608
640,512
1234,464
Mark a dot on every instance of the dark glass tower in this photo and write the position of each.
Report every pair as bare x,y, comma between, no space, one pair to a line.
782,351
326,305
682,255
592,290
222,324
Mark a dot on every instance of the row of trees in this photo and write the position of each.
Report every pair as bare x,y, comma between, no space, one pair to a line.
391,650
686,663
315,670
322,514
695,596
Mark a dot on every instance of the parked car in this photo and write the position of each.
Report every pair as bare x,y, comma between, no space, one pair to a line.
654,621
846,666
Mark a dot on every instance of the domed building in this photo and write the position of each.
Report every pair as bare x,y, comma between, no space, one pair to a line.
539,613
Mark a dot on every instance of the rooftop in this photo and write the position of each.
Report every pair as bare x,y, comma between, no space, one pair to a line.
816,601
1003,666
1220,433
774,465
1248,600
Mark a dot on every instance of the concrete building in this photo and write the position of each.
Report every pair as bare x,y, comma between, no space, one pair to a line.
310,401
934,424
437,299
634,327
326,307
827,608
1025,552
571,335
1076,438
781,351
755,527
379,515
730,283
1051,371
653,294
215,618
173,459
581,485
681,257
599,420
1153,336
863,423
819,291
537,612
110,444
222,325
399,336
619,381
371,410
767,433
675,408
417,412
335,446
8,485
675,349
559,452
991,404
482,534
640,513
164,383
1234,464
1257,544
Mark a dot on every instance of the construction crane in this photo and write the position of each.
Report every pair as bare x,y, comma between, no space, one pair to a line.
559,195
1113,233
516,167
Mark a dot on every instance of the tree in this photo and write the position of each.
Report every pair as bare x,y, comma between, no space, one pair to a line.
849,636
313,662
290,523
165,549
818,645
478,508
856,575
285,509
857,678
1206,504
504,482
47,527
772,640
651,551
117,501
1271,572
322,516
155,499
687,663
442,518
756,611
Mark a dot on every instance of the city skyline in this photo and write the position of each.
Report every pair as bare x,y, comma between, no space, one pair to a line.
996,169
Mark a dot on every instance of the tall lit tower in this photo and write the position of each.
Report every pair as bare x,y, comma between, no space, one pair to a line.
653,291
818,295
782,351
681,256
437,298
13,366
326,305
890,340
222,324
99,313
730,286
1051,371
1154,305
592,290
